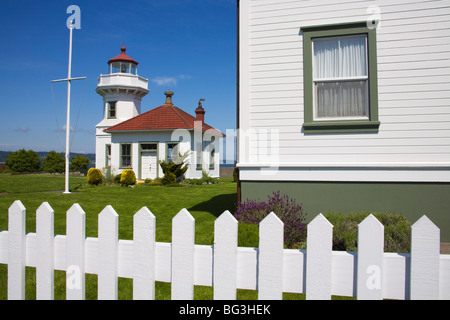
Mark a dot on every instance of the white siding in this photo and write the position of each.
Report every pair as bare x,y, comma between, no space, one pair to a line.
413,52
162,138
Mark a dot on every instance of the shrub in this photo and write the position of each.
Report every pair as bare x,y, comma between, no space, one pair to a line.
79,162
397,231
94,176
117,178
128,177
54,162
23,161
169,178
178,168
150,182
286,209
205,179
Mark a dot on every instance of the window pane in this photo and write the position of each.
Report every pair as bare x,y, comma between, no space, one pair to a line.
126,155
148,146
340,57
112,109
124,67
116,67
133,68
172,152
341,99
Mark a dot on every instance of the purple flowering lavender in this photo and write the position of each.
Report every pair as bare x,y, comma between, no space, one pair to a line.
286,209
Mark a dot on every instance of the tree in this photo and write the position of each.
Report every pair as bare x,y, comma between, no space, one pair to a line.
23,161
79,162
53,162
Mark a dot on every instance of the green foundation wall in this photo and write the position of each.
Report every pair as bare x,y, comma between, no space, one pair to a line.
410,199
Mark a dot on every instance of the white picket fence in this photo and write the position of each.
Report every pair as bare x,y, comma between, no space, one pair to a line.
318,271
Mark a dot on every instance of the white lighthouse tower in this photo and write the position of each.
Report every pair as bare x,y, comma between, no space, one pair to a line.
122,90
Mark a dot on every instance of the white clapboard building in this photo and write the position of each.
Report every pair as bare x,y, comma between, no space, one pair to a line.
345,105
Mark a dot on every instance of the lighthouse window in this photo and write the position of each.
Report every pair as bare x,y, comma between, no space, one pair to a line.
124,68
112,110
115,67
133,68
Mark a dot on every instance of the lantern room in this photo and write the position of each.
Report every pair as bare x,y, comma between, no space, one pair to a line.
123,63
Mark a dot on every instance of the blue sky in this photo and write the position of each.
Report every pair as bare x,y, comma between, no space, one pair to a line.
187,46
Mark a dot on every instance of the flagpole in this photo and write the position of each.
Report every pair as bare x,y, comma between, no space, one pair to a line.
69,75
69,82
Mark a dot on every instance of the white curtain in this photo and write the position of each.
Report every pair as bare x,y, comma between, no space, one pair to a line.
340,77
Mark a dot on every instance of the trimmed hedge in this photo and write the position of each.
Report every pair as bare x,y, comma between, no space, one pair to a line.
94,176
128,177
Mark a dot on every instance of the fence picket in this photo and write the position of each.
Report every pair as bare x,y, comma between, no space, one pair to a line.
144,255
319,244
370,259
270,260
225,256
183,241
425,250
16,251
108,231
45,252
75,240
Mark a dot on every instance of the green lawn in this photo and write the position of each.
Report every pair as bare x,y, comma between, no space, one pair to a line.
205,203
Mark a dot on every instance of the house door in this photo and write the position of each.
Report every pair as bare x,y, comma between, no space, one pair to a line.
149,165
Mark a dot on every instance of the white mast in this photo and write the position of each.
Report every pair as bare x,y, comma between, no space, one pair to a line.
69,80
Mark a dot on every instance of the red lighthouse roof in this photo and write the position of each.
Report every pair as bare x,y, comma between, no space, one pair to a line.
123,57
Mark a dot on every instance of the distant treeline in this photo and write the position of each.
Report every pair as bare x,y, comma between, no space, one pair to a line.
43,154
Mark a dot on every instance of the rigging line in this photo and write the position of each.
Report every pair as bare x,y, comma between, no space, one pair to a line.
78,114
56,116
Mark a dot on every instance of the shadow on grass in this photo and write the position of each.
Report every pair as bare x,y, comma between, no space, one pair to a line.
217,205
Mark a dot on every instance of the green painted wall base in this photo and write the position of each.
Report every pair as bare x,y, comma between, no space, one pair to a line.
410,199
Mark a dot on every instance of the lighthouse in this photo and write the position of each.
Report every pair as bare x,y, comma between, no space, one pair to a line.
130,139
122,90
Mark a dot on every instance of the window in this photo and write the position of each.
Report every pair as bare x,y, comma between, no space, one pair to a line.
340,79
172,152
108,156
115,67
123,67
125,153
133,69
112,109
148,146
211,159
199,150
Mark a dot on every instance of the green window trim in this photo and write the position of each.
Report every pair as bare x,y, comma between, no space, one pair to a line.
128,154
170,145
199,152
312,126
112,109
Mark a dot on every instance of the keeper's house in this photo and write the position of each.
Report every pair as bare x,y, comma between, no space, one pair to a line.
345,105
